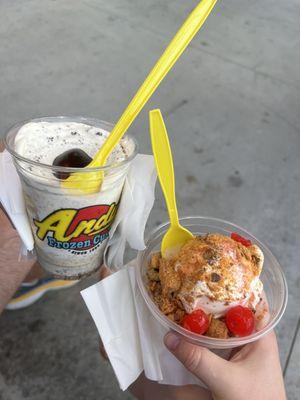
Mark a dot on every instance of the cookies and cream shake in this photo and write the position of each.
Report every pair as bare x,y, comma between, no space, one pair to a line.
70,228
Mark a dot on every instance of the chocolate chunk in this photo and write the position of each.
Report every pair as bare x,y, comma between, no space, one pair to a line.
255,259
215,277
211,256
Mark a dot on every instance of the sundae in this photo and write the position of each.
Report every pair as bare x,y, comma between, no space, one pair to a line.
211,286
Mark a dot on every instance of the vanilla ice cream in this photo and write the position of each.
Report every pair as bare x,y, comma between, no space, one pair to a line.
214,273
218,273
43,141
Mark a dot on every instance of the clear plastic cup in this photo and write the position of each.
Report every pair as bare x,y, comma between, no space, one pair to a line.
66,252
275,286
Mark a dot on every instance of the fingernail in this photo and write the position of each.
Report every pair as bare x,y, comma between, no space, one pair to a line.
172,341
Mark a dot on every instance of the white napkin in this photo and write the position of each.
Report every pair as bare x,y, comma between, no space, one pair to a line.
111,304
134,209
12,199
136,203
132,337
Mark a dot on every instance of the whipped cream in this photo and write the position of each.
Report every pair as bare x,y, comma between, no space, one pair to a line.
44,141
219,308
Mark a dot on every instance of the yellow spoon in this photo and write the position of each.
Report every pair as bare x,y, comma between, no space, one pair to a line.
177,235
91,182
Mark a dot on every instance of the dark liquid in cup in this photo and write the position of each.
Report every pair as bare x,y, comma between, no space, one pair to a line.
74,158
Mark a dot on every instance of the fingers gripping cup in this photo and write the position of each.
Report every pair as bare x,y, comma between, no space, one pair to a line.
274,294
70,227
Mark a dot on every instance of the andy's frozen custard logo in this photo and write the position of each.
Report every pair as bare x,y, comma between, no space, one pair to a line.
77,229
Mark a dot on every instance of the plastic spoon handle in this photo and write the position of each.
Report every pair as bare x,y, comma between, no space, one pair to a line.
178,44
164,162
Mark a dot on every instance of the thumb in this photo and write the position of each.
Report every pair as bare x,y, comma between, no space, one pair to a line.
213,370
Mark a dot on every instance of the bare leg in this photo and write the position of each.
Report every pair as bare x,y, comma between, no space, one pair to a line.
36,272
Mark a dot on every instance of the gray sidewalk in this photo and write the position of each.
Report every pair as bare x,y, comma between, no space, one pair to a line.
232,107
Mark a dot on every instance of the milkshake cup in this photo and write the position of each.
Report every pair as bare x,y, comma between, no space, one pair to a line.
275,286
70,228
